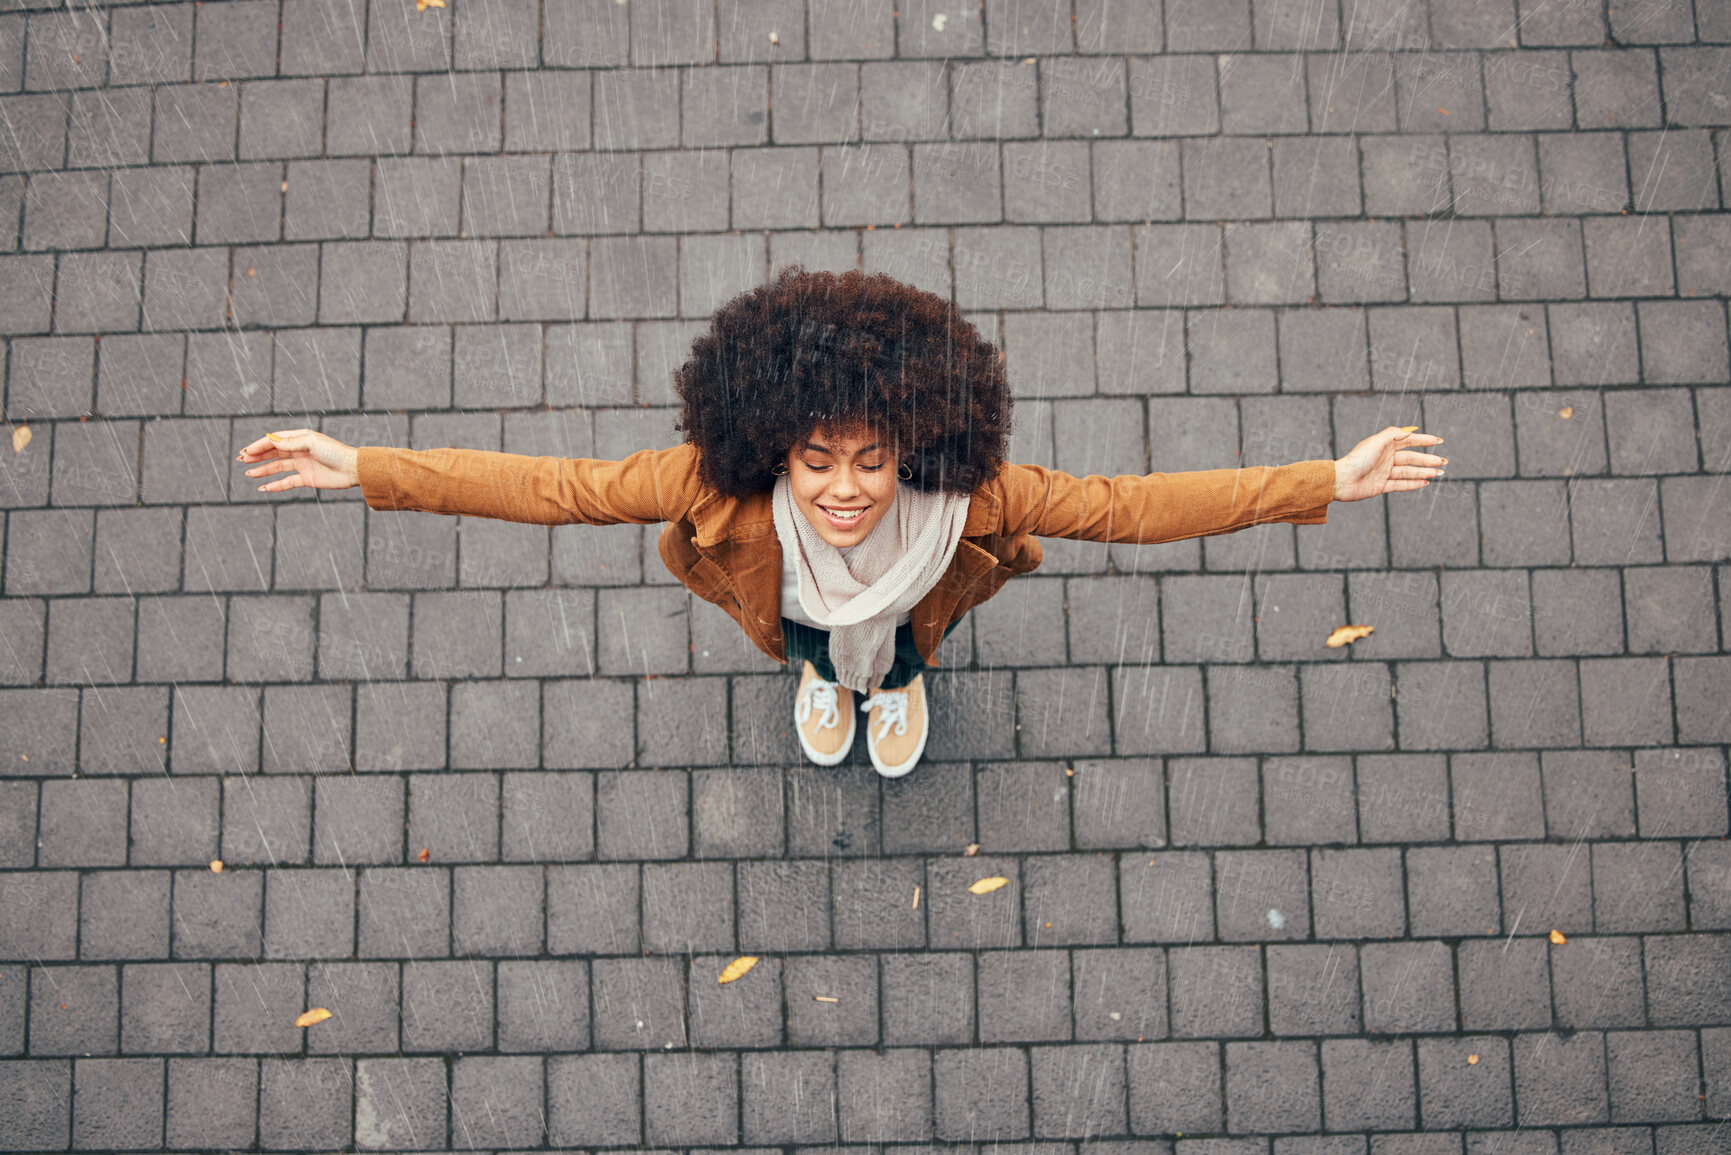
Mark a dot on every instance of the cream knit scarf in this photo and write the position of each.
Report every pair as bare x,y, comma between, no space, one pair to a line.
858,598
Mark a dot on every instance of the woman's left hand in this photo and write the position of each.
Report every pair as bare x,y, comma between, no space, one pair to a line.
1387,462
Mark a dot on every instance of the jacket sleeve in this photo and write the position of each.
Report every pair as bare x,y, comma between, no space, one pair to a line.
648,486
1163,506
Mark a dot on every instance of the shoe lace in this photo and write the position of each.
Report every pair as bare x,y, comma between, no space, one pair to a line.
819,695
894,707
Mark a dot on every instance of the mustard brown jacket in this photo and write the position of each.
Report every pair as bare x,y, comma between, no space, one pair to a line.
725,549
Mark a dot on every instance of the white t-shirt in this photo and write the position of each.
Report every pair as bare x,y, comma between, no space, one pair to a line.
790,607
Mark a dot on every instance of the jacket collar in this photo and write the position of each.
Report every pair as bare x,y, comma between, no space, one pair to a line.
717,517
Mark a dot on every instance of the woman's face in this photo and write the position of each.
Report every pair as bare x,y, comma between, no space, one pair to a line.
843,483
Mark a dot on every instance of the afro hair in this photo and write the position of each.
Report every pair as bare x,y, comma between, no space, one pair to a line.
843,352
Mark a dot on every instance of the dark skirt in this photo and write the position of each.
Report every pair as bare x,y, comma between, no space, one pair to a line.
810,644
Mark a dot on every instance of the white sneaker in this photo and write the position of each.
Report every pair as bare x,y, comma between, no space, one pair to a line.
897,728
819,711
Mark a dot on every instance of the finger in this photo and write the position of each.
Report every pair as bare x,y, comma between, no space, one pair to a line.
282,483
276,465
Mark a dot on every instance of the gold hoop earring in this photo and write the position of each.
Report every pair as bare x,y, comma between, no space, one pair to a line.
905,471
780,470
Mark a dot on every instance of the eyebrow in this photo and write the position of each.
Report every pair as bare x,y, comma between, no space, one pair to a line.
814,446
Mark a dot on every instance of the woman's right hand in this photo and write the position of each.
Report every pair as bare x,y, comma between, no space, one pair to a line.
318,461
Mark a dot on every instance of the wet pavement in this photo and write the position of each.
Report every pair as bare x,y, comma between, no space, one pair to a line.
505,800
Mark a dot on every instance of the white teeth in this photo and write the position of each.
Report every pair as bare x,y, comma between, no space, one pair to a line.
836,513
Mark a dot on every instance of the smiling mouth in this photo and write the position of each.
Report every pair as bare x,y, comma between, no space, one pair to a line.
844,514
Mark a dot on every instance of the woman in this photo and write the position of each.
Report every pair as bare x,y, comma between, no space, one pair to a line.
842,491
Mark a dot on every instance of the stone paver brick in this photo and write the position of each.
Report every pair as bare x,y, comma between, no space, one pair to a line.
89,1023
783,906
1564,1081
1572,179
1368,1083
1272,1086
447,1006
1600,984
928,999
851,981
124,915
1313,989
1652,1076
1456,1093
1108,1002
1174,1087
980,1092
1452,890
285,1084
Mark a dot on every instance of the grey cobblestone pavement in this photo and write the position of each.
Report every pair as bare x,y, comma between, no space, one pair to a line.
505,800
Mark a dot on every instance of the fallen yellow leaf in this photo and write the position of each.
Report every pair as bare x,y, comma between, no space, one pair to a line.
1472,1060
737,967
1566,412
21,436
216,866
987,885
825,999
916,905
423,5
1344,634
424,854
973,849
1557,937
316,1015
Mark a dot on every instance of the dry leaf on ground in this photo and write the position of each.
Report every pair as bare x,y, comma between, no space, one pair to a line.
21,436
737,968
1557,937
1344,634
1472,1060
973,849
316,1015
423,5
216,866
987,885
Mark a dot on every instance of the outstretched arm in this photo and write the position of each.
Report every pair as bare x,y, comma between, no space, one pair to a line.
1160,507
648,486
